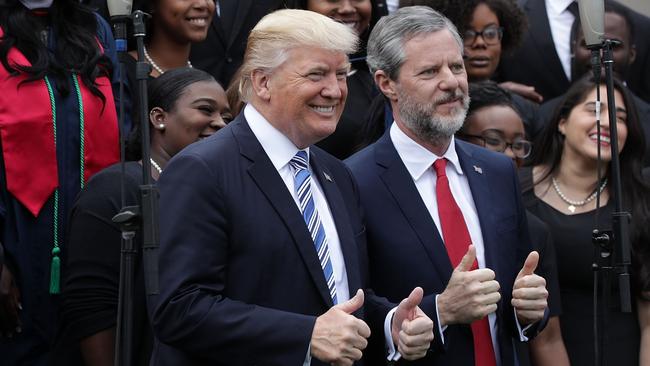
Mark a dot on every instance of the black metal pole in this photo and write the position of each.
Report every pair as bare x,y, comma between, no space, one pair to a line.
148,192
620,218
128,225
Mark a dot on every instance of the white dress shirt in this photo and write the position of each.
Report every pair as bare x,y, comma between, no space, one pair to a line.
392,6
561,20
419,163
280,150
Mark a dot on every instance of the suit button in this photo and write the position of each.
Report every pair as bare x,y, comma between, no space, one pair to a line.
229,60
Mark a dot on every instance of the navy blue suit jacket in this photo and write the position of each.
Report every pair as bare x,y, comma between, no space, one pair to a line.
406,250
240,280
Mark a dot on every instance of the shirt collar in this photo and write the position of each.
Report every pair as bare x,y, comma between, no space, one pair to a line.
418,159
558,6
277,146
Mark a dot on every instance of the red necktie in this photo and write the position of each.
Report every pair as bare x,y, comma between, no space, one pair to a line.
457,240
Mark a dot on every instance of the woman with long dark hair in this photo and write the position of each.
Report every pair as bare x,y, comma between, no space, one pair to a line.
185,106
58,127
562,188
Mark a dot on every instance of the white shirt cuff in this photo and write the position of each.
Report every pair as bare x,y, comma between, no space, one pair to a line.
441,328
393,354
521,330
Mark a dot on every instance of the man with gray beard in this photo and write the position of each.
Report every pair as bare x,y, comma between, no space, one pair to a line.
443,214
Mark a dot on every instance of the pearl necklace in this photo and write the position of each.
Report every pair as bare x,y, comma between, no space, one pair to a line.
573,204
156,166
155,65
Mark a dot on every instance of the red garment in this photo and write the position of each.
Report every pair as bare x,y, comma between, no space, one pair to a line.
27,134
457,240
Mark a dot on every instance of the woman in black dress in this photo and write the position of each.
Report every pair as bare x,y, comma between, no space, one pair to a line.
561,189
185,106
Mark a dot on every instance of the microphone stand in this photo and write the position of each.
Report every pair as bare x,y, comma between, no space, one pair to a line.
612,253
133,218
148,191
124,327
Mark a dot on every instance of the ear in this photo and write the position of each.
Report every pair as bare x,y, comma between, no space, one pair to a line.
632,57
260,81
157,118
561,127
386,85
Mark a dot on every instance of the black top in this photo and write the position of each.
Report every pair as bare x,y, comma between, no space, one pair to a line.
575,255
91,269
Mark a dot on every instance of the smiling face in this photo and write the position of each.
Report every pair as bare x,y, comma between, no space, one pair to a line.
353,13
200,111
482,58
184,20
304,96
430,96
579,128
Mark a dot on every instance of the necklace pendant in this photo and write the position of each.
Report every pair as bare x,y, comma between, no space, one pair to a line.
572,208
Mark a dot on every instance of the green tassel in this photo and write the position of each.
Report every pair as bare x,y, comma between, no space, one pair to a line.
55,271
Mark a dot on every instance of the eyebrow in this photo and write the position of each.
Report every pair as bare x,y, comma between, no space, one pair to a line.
493,24
205,99
618,108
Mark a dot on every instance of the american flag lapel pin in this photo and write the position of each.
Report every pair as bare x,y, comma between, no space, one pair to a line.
478,169
327,176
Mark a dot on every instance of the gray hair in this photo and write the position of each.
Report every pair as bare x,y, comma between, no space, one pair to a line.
387,39
282,30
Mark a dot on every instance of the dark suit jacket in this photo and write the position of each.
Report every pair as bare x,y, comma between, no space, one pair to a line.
405,249
222,52
546,110
536,62
240,280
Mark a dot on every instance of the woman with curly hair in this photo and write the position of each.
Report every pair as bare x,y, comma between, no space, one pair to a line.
58,127
491,28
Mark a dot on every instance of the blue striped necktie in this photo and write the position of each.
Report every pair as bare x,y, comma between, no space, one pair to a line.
302,186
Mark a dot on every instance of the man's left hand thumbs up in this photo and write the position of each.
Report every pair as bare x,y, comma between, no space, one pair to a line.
529,292
412,330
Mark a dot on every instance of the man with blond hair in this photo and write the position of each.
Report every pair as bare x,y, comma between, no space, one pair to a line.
262,256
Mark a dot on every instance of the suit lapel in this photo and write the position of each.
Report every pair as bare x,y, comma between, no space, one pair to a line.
341,220
542,37
243,8
479,177
218,28
400,184
270,183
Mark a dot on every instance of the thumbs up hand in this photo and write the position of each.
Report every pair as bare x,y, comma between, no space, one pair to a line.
529,292
470,294
338,336
411,329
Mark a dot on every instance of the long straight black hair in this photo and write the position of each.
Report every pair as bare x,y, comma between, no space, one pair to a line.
73,25
636,191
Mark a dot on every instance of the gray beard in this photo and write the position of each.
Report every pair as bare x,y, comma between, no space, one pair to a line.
426,124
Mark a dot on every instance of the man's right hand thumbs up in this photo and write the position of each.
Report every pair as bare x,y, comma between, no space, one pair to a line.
353,304
470,294
338,337
467,261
